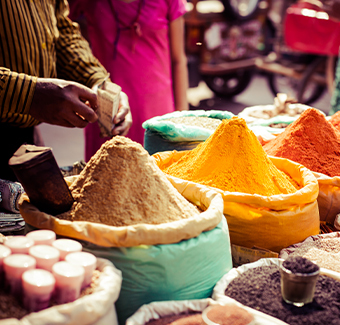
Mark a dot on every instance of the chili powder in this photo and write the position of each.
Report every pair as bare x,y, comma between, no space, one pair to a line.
310,141
335,120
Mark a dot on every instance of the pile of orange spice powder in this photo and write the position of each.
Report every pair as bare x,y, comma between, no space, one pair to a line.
310,141
232,159
335,120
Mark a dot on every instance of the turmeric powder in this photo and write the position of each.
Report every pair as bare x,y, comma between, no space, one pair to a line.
232,159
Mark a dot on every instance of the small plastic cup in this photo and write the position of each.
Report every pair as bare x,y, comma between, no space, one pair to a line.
298,288
42,236
45,255
38,286
4,252
69,279
14,266
19,244
67,246
87,260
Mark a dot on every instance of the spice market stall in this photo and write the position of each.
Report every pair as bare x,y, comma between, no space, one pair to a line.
175,223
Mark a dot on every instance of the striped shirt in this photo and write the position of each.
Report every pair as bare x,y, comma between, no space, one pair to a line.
37,39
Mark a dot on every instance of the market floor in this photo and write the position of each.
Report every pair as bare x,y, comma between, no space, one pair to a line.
68,143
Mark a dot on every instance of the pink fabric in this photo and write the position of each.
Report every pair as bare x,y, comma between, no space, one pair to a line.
141,64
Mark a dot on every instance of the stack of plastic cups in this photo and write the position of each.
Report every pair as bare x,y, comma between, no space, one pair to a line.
38,267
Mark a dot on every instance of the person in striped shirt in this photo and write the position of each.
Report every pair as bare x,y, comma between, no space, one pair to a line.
47,70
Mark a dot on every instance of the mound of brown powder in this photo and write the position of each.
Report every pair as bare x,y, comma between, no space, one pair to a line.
121,185
310,141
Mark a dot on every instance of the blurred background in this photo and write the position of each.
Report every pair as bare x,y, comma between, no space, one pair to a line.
240,53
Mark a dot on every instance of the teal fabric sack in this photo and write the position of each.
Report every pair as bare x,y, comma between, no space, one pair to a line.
186,270
154,142
163,135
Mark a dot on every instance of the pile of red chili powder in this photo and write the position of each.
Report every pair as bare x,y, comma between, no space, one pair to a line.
335,120
310,141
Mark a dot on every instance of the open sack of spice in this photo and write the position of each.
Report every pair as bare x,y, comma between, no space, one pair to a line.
99,297
194,312
323,249
126,210
267,121
284,107
121,198
269,202
258,286
314,142
181,130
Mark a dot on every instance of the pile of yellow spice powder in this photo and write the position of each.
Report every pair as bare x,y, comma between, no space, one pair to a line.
232,159
121,185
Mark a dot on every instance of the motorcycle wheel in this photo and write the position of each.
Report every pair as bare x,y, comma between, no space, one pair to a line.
290,86
316,69
240,10
229,84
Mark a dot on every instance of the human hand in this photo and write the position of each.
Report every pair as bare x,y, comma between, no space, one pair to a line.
64,103
123,119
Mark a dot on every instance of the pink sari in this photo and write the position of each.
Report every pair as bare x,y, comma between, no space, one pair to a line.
138,58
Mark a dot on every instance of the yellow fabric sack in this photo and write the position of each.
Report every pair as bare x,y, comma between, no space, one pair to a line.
269,222
329,197
130,236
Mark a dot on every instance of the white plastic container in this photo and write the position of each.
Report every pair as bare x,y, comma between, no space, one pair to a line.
87,260
42,236
38,286
45,255
69,279
67,246
4,252
19,244
14,266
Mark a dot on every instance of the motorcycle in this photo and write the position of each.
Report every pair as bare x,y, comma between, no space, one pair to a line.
228,42
303,59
